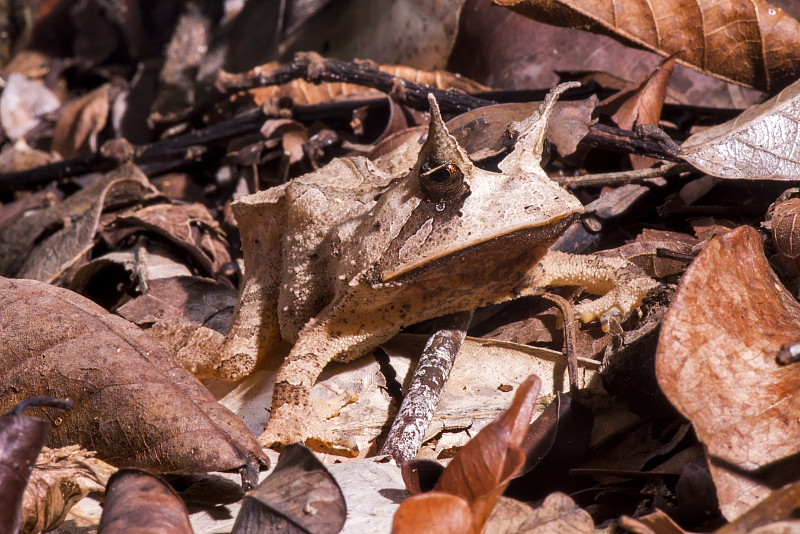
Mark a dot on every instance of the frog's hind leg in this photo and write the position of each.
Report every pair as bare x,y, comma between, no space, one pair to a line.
294,416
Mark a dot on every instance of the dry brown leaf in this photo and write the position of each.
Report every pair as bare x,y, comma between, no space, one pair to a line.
759,143
558,513
769,514
655,523
299,495
133,404
189,226
744,42
137,501
30,248
417,33
80,122
716,364
640,104
60,478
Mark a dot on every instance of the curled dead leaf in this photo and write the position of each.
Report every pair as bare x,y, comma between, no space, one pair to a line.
716,362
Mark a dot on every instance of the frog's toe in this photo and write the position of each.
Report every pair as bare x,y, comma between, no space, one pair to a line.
614,305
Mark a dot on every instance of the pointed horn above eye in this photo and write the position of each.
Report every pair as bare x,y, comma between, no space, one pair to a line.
441,147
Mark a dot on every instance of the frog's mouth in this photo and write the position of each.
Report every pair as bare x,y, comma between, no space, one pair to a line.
528,242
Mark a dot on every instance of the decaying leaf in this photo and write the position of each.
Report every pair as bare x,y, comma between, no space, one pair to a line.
133,404
300,495
80,122
479,473
43,244
771,514
137,501
759,143
60,478
743,42
415,33
21,439
716,362
558,513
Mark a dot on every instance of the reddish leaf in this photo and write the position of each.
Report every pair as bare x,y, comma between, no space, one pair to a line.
716,363
435,511
133,404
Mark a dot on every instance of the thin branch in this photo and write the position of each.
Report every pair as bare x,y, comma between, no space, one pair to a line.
415,414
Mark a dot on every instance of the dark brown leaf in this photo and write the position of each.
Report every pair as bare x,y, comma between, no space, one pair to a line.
133,404
21,439
137,501
300,495
716,363
742,42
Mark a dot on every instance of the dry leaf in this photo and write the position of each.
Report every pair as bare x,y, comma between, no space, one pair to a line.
133,404
137,501
417,33
41,245
781,506
640,104
60,478
655,523
716,363
759,143
80,122
558,513
434,511
743,42
300,495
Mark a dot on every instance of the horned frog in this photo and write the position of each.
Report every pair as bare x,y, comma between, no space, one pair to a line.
339,260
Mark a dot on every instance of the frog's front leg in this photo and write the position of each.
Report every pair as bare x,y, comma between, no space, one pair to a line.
622,284
295,416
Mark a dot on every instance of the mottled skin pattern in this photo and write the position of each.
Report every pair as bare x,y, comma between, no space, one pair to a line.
339,260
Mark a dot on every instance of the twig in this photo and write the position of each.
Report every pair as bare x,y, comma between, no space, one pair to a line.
430,377
623,177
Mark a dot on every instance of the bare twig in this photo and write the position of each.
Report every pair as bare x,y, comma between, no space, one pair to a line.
430,377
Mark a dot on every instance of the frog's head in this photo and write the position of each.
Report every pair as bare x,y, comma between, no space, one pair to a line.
453,206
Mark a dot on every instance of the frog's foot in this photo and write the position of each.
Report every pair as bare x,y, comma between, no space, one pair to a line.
295,418
622,284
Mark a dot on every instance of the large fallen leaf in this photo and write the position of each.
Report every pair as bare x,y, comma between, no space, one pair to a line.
745,42
716,363
133,404
759,143
81,121
477,476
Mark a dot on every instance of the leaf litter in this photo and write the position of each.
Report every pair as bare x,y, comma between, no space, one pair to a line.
146,231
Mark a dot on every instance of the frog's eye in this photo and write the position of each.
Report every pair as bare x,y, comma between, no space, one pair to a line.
442,181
